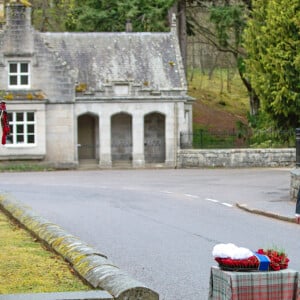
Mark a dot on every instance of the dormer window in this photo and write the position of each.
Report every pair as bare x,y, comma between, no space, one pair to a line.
18,75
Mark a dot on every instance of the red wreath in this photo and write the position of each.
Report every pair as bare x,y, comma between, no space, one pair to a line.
278,261
4,122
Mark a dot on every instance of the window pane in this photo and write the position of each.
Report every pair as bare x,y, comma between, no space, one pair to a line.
24,80
24,68
13,68
9,139
20,138
20,116
13,80
10,116
30,116
20,128
30,128
30,139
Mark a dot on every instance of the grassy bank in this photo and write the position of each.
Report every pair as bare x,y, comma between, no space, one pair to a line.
221,99
27,267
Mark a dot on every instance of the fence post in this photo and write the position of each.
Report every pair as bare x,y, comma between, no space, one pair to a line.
297,147
201,138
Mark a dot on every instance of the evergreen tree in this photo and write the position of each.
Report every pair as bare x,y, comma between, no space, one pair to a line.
272,42
49,15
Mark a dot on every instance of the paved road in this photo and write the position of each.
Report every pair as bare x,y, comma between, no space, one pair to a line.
161,225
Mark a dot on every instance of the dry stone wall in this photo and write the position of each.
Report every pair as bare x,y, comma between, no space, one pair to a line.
236,158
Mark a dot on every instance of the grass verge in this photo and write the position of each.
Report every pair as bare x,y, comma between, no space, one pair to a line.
27,267
10,166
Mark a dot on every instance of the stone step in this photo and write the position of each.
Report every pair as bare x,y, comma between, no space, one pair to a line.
88,164
122,164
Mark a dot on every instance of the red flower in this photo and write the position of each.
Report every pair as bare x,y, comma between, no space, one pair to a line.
278,260
260,251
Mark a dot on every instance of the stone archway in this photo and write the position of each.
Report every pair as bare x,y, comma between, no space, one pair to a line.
154,138
121,137
87,137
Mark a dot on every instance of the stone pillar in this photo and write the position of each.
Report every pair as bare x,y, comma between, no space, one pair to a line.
171,143
105,141
297,147
295,184
138,157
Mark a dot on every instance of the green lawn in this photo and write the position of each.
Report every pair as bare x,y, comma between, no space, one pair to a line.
27,267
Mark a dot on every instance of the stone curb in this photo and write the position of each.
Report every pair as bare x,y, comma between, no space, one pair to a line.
88,262
265,213
86,295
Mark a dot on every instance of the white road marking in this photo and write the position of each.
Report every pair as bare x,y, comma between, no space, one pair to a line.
197,197
217,201
191,196
212,200
227,204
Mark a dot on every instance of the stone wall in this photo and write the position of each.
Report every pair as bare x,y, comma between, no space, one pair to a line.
60,134
236,158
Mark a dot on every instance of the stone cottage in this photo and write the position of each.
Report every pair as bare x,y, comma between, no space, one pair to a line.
106,97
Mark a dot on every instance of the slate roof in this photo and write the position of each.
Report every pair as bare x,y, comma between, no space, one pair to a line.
148,59
149,63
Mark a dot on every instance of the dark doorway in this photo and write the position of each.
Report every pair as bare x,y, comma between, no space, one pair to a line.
87,131
154,138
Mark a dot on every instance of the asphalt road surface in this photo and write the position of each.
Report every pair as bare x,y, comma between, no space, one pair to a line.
161,225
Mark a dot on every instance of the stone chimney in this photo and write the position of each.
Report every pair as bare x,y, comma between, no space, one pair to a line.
174,24
18,28
2,15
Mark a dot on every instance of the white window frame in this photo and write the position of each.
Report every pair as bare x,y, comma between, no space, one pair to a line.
16,125
18,74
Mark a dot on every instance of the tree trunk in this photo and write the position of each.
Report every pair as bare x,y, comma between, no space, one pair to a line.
253,97
254,103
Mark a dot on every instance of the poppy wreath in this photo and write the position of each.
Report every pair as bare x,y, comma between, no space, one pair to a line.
278,261
251,262
4,122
